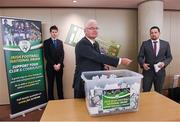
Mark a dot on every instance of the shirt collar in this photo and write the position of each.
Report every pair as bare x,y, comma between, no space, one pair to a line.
155,40
53,38
92,41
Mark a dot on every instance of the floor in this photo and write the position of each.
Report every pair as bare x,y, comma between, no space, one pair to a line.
31,116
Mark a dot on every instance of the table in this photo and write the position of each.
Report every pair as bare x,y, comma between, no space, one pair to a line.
152,107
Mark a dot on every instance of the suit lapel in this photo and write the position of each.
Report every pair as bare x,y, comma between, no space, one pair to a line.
51,42
150,46
89,43
160,47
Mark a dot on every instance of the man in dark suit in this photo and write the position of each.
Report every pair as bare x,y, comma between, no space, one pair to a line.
89,58
54,55
154,56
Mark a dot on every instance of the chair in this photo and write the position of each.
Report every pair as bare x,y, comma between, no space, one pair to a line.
174,92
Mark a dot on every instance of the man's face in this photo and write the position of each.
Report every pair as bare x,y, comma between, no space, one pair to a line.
91,31
154,34
5,21
54,33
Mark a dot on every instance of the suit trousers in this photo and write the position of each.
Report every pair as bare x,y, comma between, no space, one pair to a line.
51,76
80,93
151,77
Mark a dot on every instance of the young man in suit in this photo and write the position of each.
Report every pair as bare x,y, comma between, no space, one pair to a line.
54,55
89,58
154,56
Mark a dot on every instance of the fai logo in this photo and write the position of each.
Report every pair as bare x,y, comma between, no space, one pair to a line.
24,45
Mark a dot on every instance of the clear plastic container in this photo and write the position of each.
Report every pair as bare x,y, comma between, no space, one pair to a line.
113,91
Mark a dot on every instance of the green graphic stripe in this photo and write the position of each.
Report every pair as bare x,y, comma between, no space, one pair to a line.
117,96
18,93
17,49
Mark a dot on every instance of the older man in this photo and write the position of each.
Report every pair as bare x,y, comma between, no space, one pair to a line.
89,58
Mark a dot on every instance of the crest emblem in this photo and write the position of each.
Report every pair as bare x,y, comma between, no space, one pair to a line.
24,46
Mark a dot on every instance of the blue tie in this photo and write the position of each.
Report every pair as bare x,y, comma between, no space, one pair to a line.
55,43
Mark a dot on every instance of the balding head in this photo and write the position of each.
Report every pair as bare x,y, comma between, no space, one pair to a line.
90,29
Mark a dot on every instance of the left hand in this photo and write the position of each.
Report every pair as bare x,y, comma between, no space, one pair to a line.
161,64
57,67
107,67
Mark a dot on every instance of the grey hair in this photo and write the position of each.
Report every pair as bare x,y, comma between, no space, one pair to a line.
90,22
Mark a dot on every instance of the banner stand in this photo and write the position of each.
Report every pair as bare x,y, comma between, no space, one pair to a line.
23,54
26,111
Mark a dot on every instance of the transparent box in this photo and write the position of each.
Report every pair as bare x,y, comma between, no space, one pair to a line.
113,91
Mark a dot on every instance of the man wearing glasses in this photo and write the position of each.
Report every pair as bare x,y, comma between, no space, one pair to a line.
89,58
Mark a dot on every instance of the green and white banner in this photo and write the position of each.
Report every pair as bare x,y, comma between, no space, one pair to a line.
115,98
22,45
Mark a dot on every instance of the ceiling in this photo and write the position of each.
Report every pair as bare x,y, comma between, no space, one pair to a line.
168,4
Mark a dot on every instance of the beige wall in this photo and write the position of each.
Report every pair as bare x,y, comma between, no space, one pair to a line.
121,26
171,33
115,24
3,80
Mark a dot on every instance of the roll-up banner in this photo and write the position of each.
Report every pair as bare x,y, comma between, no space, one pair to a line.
23,53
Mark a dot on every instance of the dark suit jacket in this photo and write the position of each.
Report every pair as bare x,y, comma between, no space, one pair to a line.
146,54
53,55
88,59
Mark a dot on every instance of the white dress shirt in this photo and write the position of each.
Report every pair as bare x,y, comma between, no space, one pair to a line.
157,45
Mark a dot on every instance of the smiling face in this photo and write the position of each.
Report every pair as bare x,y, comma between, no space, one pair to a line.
91,30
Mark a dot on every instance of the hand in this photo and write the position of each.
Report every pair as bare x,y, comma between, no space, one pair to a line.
161,64
125,61
107,67
146,66
56,67
59,66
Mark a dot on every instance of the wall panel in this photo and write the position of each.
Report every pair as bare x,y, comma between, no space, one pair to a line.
116,24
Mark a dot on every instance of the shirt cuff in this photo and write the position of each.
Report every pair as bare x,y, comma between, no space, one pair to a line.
119,61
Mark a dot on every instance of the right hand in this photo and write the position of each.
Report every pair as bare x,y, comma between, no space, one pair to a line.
146,66
56,67
125,61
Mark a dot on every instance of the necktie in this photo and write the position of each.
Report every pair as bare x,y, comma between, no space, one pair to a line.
95,47
155,47
55,43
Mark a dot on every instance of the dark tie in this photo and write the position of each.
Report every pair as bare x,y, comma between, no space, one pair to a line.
95,47
55,43
155,47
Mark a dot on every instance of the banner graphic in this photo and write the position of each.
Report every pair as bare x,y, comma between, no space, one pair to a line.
22,45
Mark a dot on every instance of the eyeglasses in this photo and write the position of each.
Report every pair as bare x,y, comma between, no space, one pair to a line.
92,28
